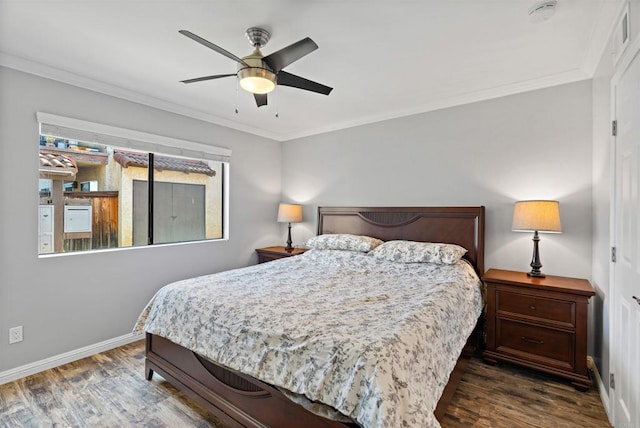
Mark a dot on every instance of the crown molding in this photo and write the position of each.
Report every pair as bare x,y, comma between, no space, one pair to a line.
600,37
53,73
562,78
64,76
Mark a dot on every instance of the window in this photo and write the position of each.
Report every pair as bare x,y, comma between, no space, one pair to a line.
95,195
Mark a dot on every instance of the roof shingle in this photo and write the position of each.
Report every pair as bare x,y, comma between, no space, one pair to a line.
188,166
57,163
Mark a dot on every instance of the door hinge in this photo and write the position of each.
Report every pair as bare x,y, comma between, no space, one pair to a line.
614,128
612,381
613,254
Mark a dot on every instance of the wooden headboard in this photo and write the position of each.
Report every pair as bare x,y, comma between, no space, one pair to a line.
454,225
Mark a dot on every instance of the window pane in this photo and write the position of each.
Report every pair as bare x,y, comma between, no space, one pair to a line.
187,199
95,196
78,197
140,224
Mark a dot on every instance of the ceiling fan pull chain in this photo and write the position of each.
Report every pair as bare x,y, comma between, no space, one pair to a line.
276,95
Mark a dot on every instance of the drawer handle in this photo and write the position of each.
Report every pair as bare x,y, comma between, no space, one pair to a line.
537,342
533,308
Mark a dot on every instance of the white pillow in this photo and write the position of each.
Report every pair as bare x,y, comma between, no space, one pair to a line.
343,241
419,252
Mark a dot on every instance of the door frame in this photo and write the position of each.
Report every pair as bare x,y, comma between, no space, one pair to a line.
620,68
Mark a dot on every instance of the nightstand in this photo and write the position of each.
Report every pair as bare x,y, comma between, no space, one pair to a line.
540,323
273,253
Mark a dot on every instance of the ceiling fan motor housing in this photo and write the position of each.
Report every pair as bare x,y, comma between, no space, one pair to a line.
258,78
258,37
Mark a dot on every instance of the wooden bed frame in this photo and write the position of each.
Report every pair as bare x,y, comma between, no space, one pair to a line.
239,400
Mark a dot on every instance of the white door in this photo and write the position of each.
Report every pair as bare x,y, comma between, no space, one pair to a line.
625,355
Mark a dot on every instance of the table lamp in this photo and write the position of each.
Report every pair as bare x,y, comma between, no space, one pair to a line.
536,216
289,213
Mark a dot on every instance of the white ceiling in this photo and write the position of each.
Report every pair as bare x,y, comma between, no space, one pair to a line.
384,59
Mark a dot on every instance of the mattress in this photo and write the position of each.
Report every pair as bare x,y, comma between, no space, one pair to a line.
375,340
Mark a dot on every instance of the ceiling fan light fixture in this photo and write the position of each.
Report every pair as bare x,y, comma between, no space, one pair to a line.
257,80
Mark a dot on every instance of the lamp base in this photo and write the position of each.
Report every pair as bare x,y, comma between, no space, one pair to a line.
536,274
289,247
535,260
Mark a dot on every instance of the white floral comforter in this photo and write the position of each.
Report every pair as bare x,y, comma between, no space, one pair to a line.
374,339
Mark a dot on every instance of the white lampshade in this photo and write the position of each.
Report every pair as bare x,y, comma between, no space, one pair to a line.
289,213
541,216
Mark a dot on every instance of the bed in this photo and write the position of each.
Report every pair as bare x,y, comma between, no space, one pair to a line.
242,378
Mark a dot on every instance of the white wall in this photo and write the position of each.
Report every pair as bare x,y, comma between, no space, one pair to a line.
71,301
492,153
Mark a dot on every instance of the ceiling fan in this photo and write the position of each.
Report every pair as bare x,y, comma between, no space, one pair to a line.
260,74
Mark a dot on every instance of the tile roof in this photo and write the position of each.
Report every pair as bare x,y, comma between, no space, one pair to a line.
56,163
127,159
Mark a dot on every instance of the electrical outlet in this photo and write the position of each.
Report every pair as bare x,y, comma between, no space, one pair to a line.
15,335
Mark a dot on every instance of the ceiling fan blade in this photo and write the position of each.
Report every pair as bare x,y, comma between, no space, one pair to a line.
210,45
261,99
285,56
288,79
200,79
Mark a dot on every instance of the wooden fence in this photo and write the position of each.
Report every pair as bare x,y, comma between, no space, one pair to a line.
104,221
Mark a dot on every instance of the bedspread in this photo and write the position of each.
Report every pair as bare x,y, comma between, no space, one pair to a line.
374,339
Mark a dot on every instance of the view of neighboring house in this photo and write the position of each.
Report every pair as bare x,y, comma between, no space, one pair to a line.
95,196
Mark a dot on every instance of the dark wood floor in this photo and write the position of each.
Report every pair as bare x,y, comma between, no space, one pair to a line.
509,396
109,390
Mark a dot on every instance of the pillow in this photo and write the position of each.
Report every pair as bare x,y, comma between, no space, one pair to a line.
419,252
343,241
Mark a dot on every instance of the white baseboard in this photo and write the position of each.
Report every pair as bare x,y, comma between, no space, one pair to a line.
67,357
604,397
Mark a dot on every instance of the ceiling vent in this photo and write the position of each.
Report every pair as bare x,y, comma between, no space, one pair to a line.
542,11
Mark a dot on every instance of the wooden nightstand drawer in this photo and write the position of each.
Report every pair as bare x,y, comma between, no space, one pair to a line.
268,254
535,308
267,257
548,346
539,323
